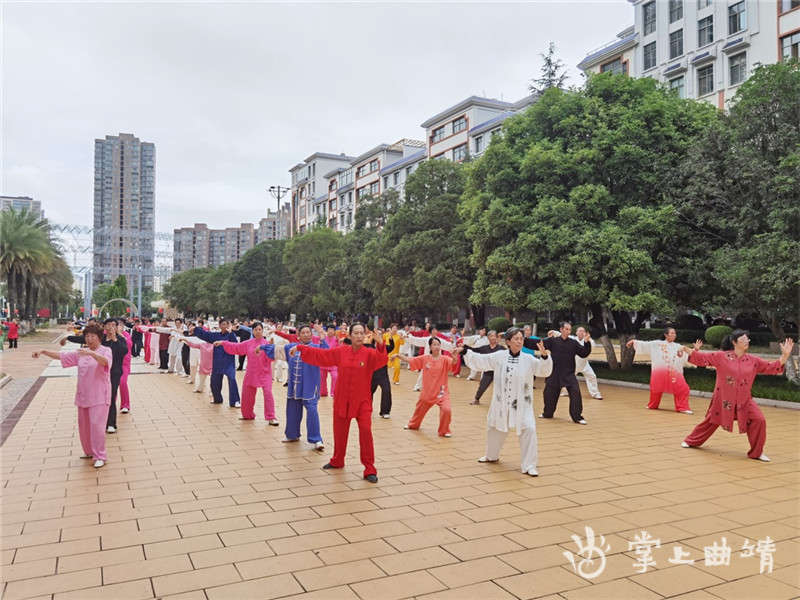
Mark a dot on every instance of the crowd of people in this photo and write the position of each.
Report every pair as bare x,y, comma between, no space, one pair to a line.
350,362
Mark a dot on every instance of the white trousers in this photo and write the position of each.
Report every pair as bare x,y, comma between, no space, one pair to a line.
278,369
201,382
172,359
473,374
591,381
528,446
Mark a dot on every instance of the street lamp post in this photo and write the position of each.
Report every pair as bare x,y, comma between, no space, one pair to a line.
278,192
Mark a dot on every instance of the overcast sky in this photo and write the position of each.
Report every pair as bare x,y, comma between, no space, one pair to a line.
233,94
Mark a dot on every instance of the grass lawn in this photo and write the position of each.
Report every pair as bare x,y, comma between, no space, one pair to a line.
775,387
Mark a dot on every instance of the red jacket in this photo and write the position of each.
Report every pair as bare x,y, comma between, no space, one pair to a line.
13,329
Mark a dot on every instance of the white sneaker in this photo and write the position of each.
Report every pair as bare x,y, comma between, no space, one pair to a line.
416,389
685,445
124,411
98,464
287,440
686,412
190,382
237,405
397,383
532,472
581,422
470,379
597,397
386,416
273,422
458,375
483,459
448,435
86,456
764,457
111,429
319,446
198,391
563,394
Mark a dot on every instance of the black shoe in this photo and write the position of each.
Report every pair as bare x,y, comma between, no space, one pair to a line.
330,466
372,478
212,402
286,384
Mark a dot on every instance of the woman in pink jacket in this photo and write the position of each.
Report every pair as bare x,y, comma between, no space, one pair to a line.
124,392
206,360
333,342
257,375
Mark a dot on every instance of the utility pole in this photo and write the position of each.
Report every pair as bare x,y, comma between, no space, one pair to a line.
278,192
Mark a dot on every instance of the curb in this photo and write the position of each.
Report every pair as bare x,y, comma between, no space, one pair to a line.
643,386
5,380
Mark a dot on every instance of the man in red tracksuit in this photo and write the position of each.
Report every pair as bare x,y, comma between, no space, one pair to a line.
353,395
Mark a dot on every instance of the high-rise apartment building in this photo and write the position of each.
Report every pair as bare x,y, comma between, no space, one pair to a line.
124,209
19,203
275,226
198,246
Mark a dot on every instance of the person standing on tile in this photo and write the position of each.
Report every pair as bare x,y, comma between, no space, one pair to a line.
224,364
667,360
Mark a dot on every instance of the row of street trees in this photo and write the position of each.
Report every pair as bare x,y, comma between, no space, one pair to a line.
617,198
32,266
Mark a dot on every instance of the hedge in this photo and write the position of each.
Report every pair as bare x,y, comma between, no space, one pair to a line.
716,333
498,324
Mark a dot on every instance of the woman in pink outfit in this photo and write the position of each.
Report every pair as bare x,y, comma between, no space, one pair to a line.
257,375
205,363
434,367
93,396
333,342
732,399
124,393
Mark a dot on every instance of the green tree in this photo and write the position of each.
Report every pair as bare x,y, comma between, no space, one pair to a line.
307,258
420,260
256,279
742,199
343,289
569,208
553,74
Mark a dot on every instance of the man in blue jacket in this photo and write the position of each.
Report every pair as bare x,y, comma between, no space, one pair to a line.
224,364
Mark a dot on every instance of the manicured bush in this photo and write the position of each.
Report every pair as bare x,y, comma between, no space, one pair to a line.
716,333
499,324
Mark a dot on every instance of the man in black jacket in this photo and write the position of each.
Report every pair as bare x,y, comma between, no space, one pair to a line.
564,349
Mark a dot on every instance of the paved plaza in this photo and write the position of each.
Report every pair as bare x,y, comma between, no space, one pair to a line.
196,504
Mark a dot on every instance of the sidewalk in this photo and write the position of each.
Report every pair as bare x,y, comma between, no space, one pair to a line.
195,504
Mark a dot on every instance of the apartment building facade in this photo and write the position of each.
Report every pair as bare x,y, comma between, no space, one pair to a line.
309,187
20,203
702,49
199,247
124,208
275,226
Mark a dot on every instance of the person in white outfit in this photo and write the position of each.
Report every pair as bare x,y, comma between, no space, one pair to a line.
512,399
476,341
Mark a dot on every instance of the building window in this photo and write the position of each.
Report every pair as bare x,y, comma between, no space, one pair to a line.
396,177
787,5
790,47
460,153
459,124
361,192
705,29
437,134
649,11
478,144
738,68
705,80
409,170
386,182
737,18
374,165
675,10
676,85
332,205
361,170
649,56
615,67
374,188
676,44
704,3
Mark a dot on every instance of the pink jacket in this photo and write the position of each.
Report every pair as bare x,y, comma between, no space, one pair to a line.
259,367
206,354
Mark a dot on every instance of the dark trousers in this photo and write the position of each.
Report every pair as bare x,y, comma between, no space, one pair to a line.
136,349
163,356
380,378
233,388
185,359
486,380
12,342
241,362
112,408
552,389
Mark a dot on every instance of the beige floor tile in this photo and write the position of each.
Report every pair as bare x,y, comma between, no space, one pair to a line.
472,571
130,590
195,580
414,560
336,575
356,551
231,554
483,547
619,589
265,588
758,586
181,546
669,582
31,569
396,587
342,592
78,562
60,549
278,565
555,580
423,539
67,582
480,591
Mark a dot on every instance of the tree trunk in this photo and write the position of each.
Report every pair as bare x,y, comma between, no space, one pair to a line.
479,315
598,331
11,295
19,288
792,367
34,303
628,326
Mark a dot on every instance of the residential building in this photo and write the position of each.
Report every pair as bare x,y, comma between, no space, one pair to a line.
448,132
19,203
616,57
396,174
309,187
124,209
275,226
702,49
199,246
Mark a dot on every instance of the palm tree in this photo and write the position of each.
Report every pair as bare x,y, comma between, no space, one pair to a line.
26,252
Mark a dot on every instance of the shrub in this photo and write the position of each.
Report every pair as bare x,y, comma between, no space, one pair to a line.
715,333
499,324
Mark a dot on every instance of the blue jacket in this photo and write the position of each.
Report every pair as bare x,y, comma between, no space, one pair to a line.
304,379
222,360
